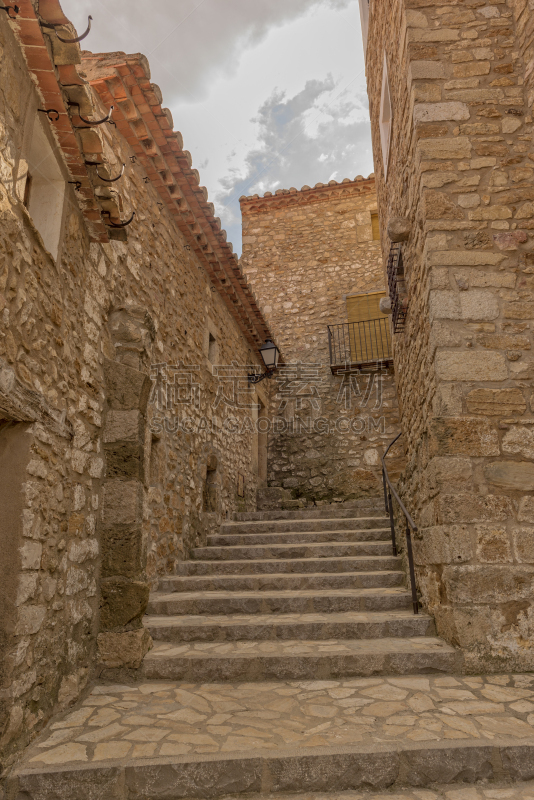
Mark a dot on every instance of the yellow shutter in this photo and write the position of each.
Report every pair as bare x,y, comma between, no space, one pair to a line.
369,337
376,227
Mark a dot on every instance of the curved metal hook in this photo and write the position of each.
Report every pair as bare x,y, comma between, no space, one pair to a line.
77,185
122,224
108,180
92,123
7,9
55,25
51,113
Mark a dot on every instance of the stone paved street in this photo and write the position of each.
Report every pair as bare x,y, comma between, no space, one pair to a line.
170,719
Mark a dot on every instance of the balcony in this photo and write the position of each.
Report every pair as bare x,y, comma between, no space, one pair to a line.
360,345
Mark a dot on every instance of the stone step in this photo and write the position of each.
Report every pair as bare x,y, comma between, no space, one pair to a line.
522,790
283,627
298,660
361,535
342,511
399,736
292,551
303,525
289,565
266,583
312,601
360,772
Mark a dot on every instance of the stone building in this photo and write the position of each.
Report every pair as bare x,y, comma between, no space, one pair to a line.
314,259
123,441
450,90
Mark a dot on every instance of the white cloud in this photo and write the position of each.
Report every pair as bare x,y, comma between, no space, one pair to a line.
190,42
293,151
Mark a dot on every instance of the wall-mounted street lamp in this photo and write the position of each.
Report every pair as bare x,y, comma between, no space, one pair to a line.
270,355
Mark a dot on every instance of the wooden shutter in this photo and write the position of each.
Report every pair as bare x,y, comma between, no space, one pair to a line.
376,227
369,336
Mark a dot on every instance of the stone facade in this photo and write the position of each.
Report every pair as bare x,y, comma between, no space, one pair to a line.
304,252
107,479
456,162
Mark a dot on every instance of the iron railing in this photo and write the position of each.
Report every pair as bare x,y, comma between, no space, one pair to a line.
389,493
397,287
360,344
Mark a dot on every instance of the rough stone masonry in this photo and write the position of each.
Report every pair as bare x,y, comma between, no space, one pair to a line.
107,478
450,88
304,253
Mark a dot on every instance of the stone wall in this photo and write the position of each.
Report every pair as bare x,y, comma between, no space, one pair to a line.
460,170
304,252
101,494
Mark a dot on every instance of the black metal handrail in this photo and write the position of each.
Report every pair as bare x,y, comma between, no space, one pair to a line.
357,344
389,491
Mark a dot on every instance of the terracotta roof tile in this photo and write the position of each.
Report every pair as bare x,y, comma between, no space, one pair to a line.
123,80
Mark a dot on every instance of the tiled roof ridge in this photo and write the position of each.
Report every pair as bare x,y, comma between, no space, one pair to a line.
123,80
159,148
321,191
52,65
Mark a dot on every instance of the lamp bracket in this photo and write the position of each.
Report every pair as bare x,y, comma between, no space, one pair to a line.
259,378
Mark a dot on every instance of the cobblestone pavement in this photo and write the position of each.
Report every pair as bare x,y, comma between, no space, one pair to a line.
172,719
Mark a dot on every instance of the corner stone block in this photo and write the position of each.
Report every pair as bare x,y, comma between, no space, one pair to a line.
124,460
443,545
124,649
493,545
463,258
514,475
526,509
470,507
122,551
127,389
468,627
445,148
122,502
123,426
467,436
524,545
439,112
122,602
462,365
426,70
487,584
445,470
496,402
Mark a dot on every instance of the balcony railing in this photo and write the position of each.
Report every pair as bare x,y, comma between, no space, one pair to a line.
354,345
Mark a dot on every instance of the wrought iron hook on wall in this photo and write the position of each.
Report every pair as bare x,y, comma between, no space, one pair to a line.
77,185
55,25
116,224
92,123
51,113
8,9
108,180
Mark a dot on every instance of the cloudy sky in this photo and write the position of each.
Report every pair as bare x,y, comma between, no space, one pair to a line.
268,94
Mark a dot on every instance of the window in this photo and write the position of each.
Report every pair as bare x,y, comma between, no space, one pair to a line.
363,307
370,338
375,226
213,349
44,190
385,118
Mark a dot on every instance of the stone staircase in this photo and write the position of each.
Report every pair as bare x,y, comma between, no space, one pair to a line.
289,595
288,664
